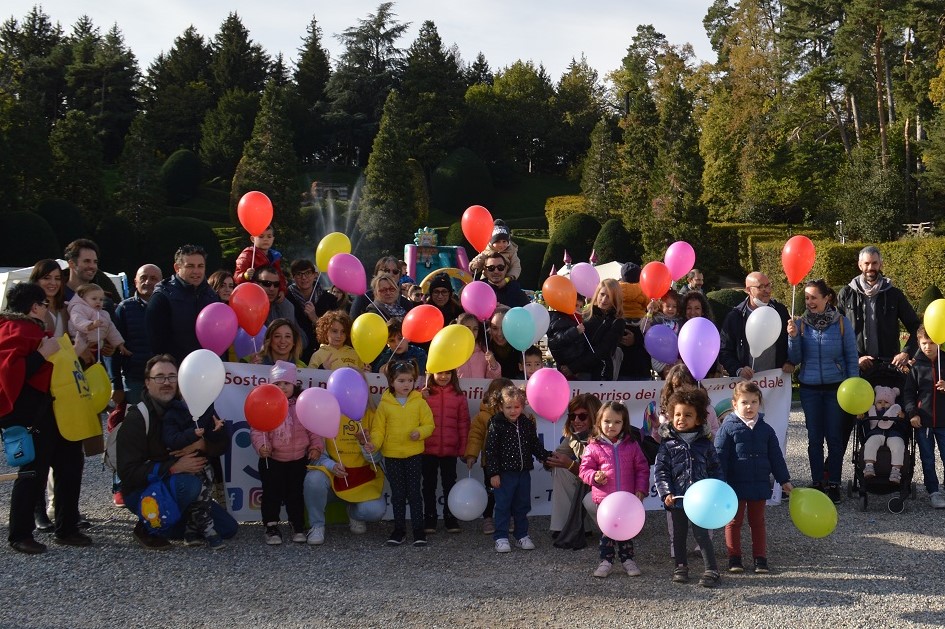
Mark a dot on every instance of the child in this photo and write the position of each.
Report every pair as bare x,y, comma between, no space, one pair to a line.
399,349
679,377
613,461
924,394
402,421
448,441
668,315
532,363
89,324
482,364
749,452
501,242
511,442
686,456
476,443
260,253
334,333
634,301
885,430
283,456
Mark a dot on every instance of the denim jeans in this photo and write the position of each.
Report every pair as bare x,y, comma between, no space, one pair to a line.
188,488
318,493
513,499
928,439
824,419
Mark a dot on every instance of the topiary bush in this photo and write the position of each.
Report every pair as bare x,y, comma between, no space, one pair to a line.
723,301
121,247
461,180
576,234
170,233
455,238
180,176
65,219
531,252
36,239
614,242
929,295
557,209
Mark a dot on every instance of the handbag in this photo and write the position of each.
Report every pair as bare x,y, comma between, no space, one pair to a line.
18,446
157,506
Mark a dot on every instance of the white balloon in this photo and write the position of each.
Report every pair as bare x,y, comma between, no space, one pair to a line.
541,319
201,378
762,329
467,499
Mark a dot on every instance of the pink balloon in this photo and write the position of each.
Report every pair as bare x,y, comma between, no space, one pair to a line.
679,259
319,412
699,346
216,327
585,278
347,273
548,393
478,299
621,516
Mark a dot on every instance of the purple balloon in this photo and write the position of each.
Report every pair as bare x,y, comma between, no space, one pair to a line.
699,346
216,327
585,278
246,344
350,389
660,342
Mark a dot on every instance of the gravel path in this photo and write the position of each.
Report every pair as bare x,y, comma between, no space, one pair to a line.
877,569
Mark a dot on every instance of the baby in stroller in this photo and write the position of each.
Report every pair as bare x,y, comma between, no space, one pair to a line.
882,422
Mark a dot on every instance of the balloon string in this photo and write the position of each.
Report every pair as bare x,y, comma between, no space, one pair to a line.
363,434
98,344
524,371
338,454
252,260
266,444
394,351
376,307
793,295
578,321
752,363
485,334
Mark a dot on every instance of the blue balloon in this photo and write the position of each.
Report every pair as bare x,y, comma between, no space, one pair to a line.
245,345
710,503
518,328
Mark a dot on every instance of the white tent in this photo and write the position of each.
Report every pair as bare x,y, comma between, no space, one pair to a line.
10,276
609,270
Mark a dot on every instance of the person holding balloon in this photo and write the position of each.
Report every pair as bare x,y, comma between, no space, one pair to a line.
309,300
260,254
924,403
735,346
440,294
501,243
482,363
334,334
584,351
476,442
389,265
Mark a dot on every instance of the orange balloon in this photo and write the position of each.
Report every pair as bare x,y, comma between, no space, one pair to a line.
251,305
655,280
255,212
266,407
422,323
797,258
477,226
559,293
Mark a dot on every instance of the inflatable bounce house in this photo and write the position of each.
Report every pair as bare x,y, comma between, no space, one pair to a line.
425,258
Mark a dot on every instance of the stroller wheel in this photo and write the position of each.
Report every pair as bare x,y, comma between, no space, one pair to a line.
896,505
864,501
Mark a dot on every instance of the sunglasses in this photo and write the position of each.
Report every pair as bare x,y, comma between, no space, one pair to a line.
395,272
579,415
267,283
495,267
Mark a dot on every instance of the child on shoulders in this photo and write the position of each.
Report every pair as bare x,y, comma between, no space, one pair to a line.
501,243
260,254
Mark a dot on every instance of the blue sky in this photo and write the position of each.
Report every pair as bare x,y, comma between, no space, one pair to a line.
547,31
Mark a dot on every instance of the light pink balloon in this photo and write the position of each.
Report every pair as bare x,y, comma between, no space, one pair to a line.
585,278
347,273
548,393
319,412
679,259
621,516
478,299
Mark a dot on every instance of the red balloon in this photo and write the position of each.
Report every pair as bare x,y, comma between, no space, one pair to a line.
266,407
422,323
255,212
559,293
655,280
251,305
797,258
477,226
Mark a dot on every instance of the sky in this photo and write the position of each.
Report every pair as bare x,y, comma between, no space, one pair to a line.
551,32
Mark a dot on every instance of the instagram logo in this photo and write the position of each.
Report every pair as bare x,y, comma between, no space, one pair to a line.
255,498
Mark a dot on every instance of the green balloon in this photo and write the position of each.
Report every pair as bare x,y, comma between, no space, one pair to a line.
855,396
813,513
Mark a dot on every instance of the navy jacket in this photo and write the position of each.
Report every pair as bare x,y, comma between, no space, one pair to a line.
733,349
748,456
130,321
679,464
171,317
920,397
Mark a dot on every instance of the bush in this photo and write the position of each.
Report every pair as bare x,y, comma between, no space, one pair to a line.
576,234
531,251
557,209
65,219
461,180
614,242
170,233
929,295
723,301
455,238
121,248
36,239
180,176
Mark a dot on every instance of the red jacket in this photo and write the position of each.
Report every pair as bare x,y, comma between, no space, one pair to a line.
245,261
24,373
451,421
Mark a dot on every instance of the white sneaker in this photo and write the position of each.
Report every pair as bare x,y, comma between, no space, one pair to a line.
502,546
273,536
316,536
525,543
631,567
938,500
604,569
358,527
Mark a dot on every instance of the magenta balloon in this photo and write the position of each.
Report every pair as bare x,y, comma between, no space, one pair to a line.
350,389
244,344
548,393
347,273
216,327
319,412
621,516
585,278
661,343
699,346
679,259
478,299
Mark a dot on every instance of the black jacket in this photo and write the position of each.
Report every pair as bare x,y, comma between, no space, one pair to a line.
510,446
679,464
571,349
891,308
171,317
733,348
323,301
920,397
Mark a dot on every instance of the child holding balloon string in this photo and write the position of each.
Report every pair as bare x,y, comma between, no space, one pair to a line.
476,441
257,255
333,331
482,362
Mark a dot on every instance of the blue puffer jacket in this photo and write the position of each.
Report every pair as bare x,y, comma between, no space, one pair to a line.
826,357
679,464
171,316
749,455
129,320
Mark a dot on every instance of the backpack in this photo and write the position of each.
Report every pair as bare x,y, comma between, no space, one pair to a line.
110,458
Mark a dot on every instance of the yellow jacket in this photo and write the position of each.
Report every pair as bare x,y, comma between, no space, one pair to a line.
393,423
327,357
476,441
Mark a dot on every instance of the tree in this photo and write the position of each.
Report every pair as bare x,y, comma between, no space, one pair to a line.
77,165
238,62
139,198
225,130
578,105
33,58
310,102
479,73
868,197
600,180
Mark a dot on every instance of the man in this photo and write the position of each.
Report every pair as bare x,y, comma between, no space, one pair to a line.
140,452
694,281
495,273
309,300
82,256
128,371
734,353
268,278
171,315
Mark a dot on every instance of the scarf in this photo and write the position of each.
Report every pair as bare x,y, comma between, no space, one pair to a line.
822,320
871,291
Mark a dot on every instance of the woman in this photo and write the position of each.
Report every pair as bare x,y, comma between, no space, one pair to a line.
694,304
48,275
822,341
503,352
283,341
585,351
440,294
566,459
222,284
389,265
388,301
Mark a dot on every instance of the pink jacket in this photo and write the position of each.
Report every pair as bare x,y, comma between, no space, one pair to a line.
82,315
290,441
478,367
451,421
623,463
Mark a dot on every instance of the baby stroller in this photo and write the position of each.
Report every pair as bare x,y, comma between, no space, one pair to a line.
884,374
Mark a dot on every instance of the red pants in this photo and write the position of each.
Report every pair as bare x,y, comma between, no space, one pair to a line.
756,522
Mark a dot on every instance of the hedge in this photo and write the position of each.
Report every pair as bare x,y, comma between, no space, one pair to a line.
169,233
557,209
180,176
576,235
64,218
615,243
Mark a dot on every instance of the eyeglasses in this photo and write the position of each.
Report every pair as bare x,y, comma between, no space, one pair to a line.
386,289
164,379
578,415
267,283
44,303
495,267
440,291
305,274
395,272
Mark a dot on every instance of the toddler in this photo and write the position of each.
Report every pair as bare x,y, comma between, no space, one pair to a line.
923,396
448,441
476,443
334,333
399,349
89,324
501,242
482,363
634,301
882,418
260,254
668,315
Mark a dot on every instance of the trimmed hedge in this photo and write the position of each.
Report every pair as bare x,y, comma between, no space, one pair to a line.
121,247
531,252
461,180
614,242
929,295
65,219
169,233
557,209
180,176
723,301
576,235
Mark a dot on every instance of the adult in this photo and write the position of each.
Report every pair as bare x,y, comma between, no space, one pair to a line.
82,256
140,452
25,400
48,274
818,342
309,301
171,317
128,371
388,302
440,294
267,277
585,350
389,265
694,282
733,352
495,272
222,283
503,352
694,304
283,341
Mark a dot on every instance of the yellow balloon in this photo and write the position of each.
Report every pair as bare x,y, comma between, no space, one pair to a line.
368,336
855,396
332,244
934,320
812,512
99,386
451,347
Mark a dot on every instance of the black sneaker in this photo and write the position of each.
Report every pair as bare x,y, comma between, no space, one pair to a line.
681,574
451,524
419,539
396,538
710,579
735,565
429,524
761,565
833,492
818,486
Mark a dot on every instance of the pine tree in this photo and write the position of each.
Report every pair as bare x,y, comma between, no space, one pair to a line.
77,165
225,130
600,180
479,72
238,62
578,106
310,101
139,197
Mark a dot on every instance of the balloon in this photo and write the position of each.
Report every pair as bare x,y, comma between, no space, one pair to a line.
661,343
477,226
934,320
451,347
540,318
797,258
332,244
699,346
855,395
812,512
548,393
351,390
99,386
762,329
216,327
679,259
422,323
347,273
318,411
655,280
518,328
201,377
266,407
255,212
369,336
621,516
245,345
478,299
559,293
251,305
585,278
467,499
710,503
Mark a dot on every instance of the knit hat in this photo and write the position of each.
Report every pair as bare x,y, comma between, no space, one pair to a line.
283,371
885,394
630,272
500,232
440,280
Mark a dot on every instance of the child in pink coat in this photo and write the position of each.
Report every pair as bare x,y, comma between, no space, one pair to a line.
441,449
482,364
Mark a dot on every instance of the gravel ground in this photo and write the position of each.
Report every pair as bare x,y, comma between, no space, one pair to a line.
877,569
